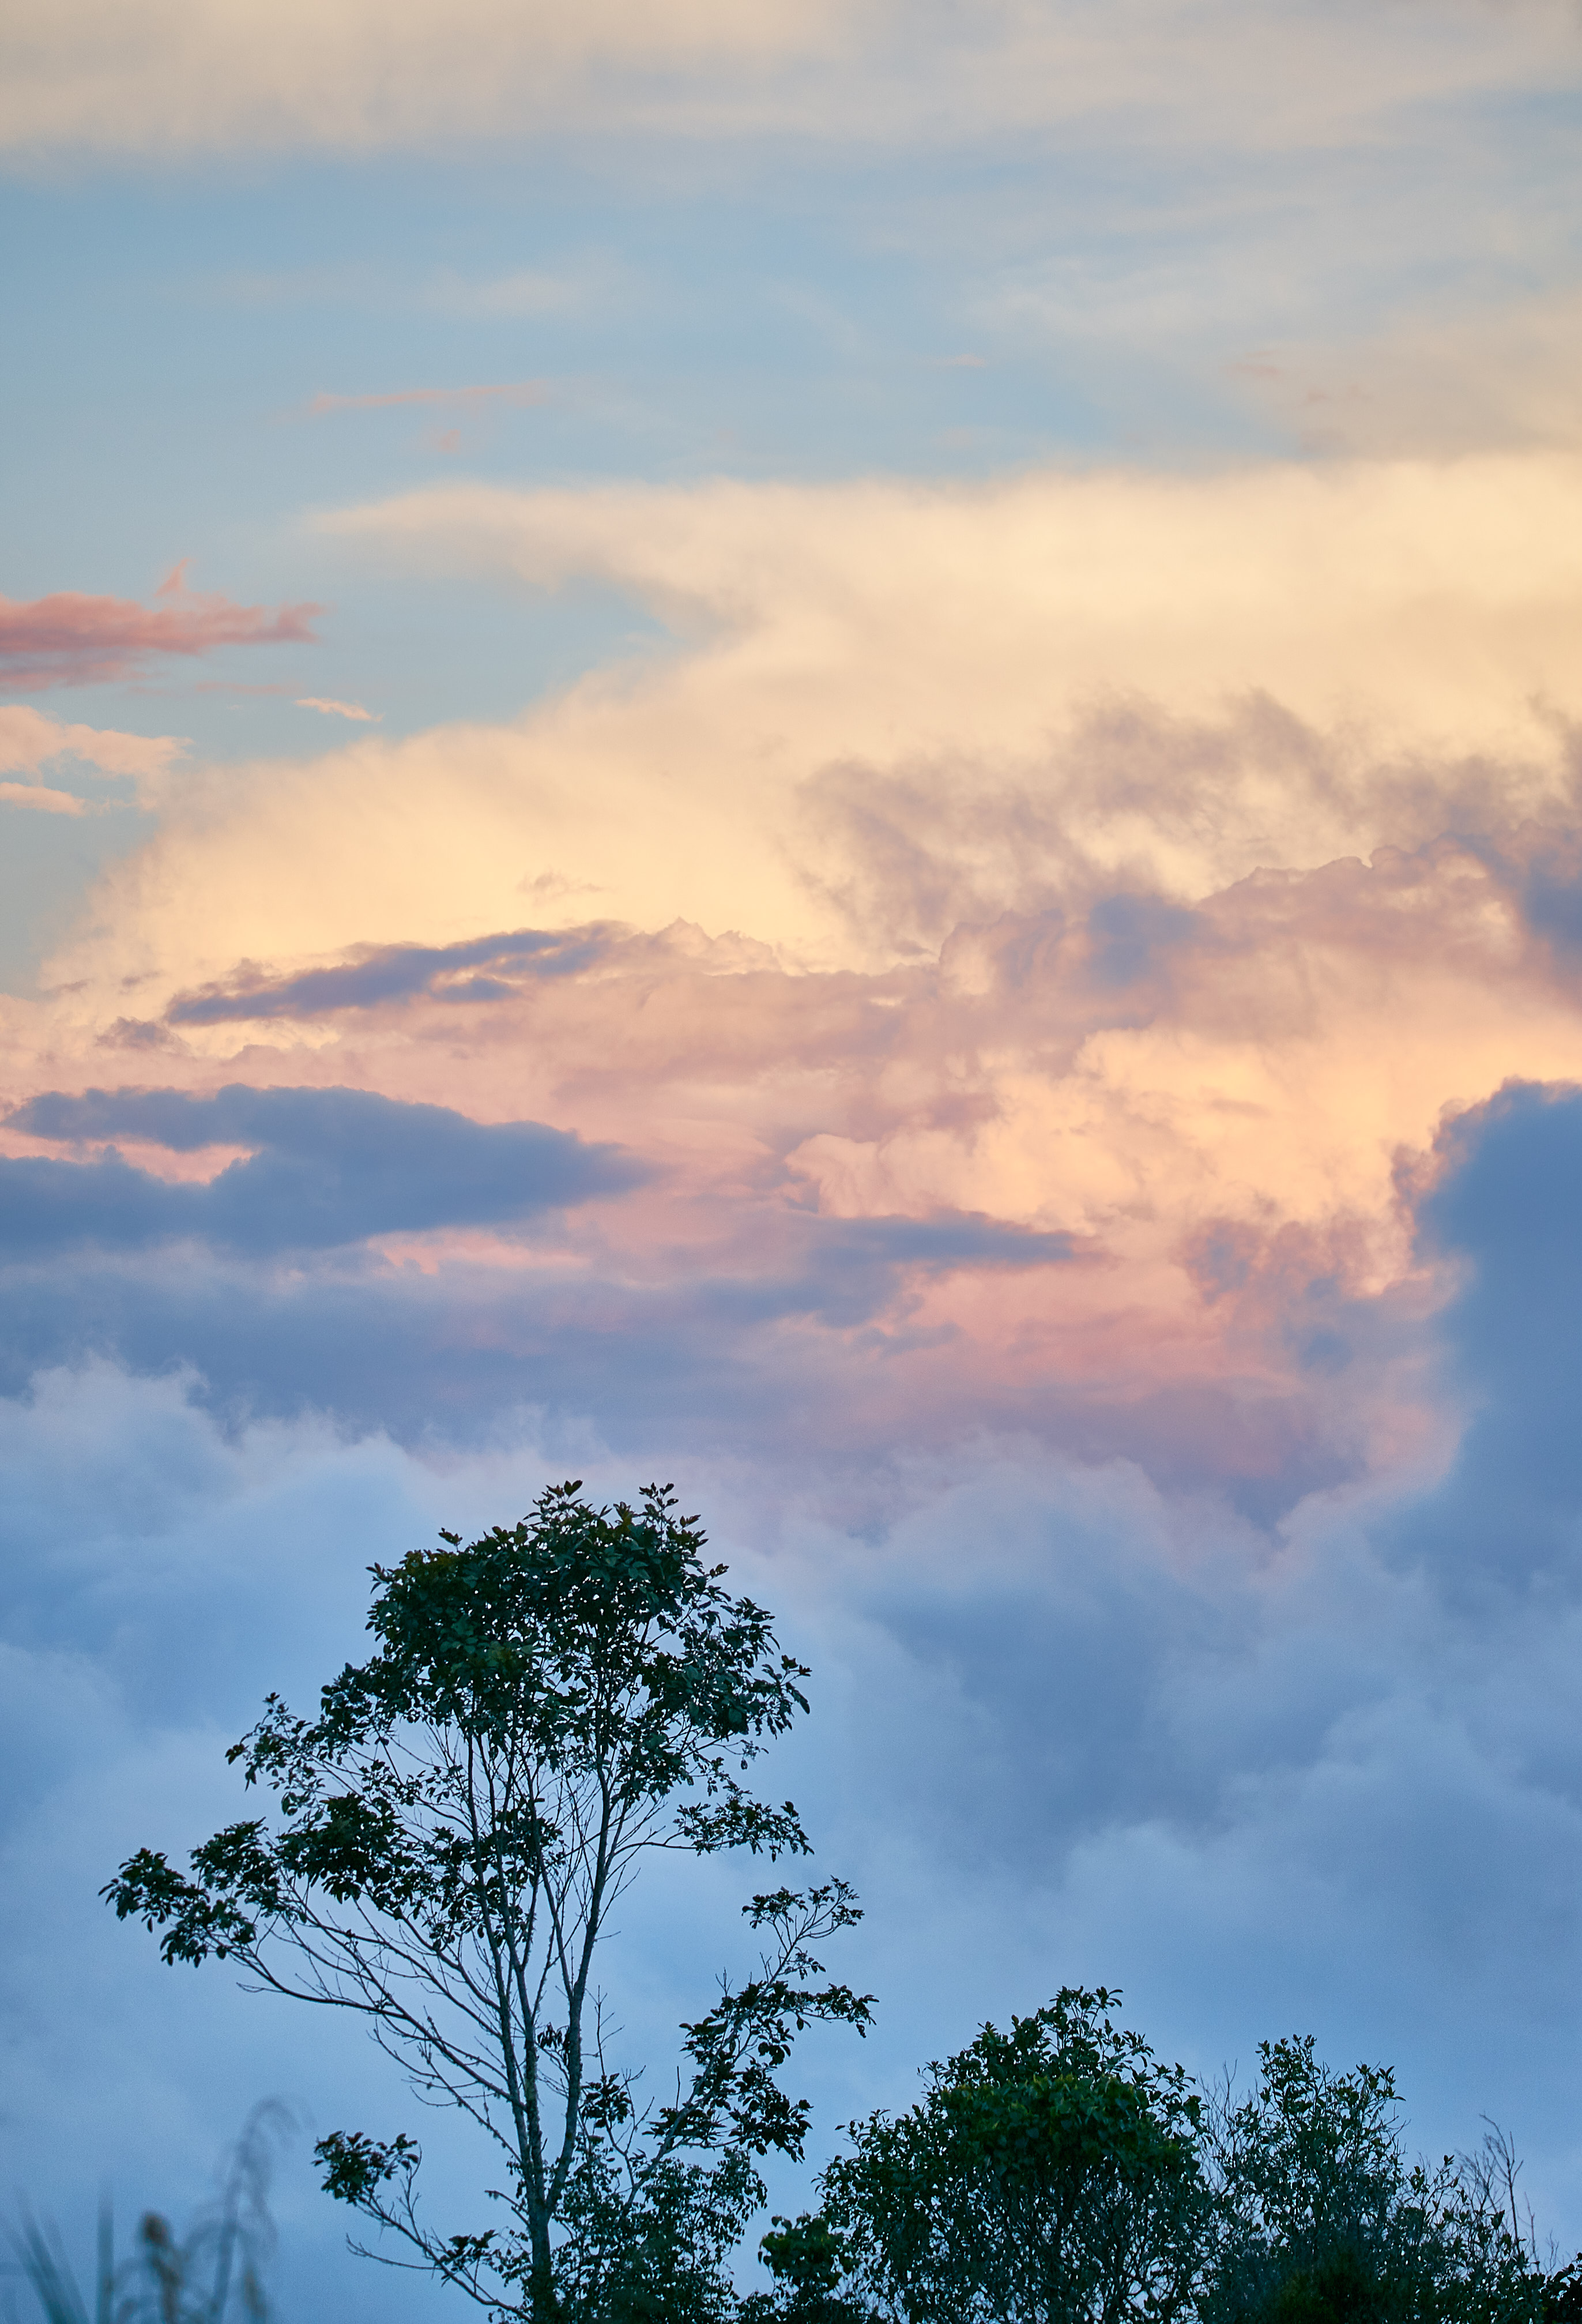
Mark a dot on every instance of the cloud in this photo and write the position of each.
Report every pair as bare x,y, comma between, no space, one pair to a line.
1040,1252
1143,1214
818,1379
73,640
212,75
332,709
777,1335
331,1167
231,1553
893,708
1507,1519
40,795
1449,382
1311,585
381,974
30,739
1200,1096
1205,1106
376,81
520,393
1297,1778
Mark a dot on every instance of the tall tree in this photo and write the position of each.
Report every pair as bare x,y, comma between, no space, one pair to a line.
547,1705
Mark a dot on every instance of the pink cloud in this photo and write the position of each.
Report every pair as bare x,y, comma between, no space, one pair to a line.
71,639
520,392
1205,1105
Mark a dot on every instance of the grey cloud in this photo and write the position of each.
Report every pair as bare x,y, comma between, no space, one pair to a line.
809,1363
50,1206
846,1271
1509,1206
383,1350
1069,1722
1535,868
387,972
1127,934
1548,885
1418,1648
331,1167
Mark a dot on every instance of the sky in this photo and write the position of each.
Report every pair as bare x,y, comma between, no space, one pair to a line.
835,751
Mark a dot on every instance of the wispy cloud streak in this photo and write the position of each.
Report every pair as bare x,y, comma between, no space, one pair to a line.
40,797
388,973
333,709
518,393
71,639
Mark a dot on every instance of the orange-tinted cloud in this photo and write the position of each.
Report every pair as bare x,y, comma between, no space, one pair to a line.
40,795
71,639
333,709
30,739
894,707
1066,855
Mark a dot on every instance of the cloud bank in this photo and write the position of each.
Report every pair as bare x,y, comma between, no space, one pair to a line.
1024,933
892,707
1327,1774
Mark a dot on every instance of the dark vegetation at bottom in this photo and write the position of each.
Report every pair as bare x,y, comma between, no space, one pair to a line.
1061,2174
1057,2173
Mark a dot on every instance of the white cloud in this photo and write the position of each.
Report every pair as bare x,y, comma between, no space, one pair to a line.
1098,643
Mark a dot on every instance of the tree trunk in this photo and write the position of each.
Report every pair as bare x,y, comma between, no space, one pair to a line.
543,2302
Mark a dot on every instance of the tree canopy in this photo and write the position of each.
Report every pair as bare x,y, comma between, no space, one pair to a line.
1053,2171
